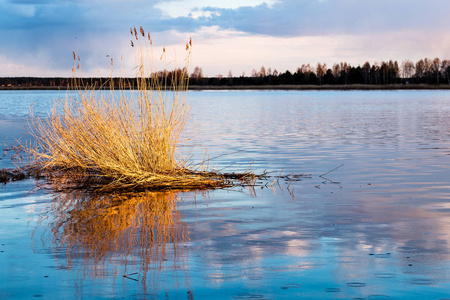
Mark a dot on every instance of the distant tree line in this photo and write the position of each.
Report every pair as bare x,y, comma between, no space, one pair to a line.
425,71
34,82
165,78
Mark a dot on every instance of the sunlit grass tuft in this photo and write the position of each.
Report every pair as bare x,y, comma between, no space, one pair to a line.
124,139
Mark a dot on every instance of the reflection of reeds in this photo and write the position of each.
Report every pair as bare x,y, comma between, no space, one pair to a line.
110,230
123,140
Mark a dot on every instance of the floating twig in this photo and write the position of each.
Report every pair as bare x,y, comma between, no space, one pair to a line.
330,171
127,276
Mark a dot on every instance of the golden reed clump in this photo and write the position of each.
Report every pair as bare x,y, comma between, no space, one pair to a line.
124,140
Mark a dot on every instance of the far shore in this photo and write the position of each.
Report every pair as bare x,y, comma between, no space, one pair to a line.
276,87
324,87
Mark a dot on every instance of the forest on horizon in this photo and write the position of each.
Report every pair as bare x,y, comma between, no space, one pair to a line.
424,71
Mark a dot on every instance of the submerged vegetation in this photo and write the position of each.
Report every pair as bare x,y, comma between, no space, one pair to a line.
124,140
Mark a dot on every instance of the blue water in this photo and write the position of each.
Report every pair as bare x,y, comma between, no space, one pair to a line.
377,227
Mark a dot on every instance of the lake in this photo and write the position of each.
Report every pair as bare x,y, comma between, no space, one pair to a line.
368,219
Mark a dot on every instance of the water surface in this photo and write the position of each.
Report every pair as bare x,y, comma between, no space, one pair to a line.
377,227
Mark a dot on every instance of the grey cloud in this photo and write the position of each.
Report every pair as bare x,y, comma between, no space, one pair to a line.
55,28
307,17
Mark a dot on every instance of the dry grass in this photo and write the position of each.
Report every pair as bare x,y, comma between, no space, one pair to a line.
124,140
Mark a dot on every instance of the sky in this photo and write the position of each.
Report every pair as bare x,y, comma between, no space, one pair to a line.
38,37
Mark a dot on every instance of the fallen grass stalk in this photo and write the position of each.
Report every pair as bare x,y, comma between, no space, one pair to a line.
7,175
187,180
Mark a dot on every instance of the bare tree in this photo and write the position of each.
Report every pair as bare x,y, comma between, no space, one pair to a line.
427,63
345,71
336,71
321,70
262,72
375,73
366,72
445,69
305,70
198,73
384,68
396,70
436,64
420,69
407,68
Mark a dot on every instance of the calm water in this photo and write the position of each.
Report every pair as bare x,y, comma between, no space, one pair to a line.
378,227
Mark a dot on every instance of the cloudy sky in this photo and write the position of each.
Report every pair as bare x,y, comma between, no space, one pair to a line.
37,37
